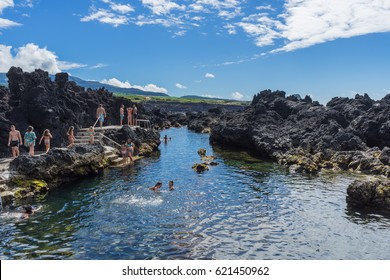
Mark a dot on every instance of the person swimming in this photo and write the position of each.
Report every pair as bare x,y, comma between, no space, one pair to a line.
170,185
156,187
28,210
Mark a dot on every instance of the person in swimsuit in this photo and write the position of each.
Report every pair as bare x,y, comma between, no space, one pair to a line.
46,137
29,140
14,140
101,114
91,133
122,114
130,116
156,187
130,151
71,137
28,211
124,152
170,186
135,114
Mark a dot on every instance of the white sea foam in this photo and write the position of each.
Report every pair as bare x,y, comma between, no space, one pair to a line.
140,201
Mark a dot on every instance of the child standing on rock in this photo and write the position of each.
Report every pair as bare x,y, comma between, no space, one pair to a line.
46,137
91,133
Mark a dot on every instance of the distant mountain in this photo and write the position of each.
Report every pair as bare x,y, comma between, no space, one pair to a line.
96,85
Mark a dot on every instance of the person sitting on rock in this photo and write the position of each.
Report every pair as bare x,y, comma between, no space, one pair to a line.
29,140
71,137
170,185
156,187
14,140
46,137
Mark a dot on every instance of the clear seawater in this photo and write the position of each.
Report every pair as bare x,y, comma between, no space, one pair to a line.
243,208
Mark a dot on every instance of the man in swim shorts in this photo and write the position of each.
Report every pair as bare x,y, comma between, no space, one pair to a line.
101,114
14,140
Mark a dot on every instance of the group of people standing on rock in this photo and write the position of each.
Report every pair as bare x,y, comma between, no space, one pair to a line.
15,138
132,113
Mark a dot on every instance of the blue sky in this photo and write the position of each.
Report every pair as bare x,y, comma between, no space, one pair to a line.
229,49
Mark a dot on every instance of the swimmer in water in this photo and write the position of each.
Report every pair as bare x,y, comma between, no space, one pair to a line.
28,211
170,186
156,187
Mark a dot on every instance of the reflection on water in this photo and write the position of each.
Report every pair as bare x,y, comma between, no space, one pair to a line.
243,208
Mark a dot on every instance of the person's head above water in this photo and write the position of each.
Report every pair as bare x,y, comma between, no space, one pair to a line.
27,209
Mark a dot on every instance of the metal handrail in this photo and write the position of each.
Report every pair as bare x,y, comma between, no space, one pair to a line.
101,134
96,122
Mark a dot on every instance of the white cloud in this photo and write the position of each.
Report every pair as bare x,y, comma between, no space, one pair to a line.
305,23
6,23
124,9
107,17
236,95
115,82
126,84
6,4
265,7
97,66
209,75
31,57
180,86
180,33
231,29
160,7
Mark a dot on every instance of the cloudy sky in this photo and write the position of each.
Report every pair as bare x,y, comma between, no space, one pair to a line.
229,49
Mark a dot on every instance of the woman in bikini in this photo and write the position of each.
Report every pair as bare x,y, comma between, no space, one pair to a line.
46,137
71,137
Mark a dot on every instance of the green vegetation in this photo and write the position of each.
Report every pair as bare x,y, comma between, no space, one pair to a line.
143,98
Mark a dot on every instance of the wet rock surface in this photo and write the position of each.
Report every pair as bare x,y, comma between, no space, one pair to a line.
371,192
308,136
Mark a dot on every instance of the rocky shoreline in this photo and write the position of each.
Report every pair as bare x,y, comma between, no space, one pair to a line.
299,133
307,137
34,99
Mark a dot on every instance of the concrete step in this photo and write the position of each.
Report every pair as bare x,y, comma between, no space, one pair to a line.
85,141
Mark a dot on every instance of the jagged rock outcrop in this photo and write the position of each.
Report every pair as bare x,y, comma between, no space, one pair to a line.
370,192
308,136
34,99
38,174
61,164
146,141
